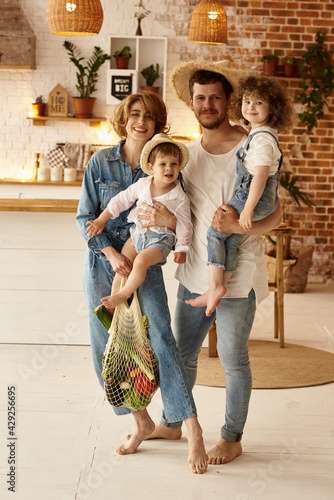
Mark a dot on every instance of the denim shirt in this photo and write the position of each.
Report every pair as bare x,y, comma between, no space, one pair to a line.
106,174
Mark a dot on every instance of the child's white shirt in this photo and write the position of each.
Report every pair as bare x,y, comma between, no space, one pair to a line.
263,151
175,200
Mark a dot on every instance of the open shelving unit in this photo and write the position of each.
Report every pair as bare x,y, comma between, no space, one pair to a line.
145,50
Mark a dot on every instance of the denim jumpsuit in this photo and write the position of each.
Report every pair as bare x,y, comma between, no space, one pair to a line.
106,174
223,248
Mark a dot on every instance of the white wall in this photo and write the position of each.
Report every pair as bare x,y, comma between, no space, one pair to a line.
19,139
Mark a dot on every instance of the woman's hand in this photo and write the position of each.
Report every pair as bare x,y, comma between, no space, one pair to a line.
226,220
120,264
158,215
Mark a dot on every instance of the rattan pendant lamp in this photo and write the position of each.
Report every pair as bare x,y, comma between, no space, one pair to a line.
208,23
78,17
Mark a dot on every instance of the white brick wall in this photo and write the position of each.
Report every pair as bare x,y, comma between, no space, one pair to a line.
19,139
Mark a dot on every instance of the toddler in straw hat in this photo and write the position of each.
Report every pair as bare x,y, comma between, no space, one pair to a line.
162,159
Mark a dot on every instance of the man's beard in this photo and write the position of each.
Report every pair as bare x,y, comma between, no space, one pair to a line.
214,124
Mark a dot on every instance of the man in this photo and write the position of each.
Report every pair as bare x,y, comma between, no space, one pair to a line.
210,180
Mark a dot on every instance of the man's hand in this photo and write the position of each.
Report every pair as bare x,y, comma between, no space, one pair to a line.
180,257
95,227
158,215
226,220
245,219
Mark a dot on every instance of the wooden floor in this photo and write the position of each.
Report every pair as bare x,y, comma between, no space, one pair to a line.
66,432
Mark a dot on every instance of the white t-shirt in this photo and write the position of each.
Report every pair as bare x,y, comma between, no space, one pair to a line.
263,151
175,200
210,181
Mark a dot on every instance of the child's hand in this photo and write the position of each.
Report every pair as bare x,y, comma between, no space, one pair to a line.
245,219
180,257
95,227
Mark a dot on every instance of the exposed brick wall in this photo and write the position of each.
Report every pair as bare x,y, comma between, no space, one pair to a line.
255,27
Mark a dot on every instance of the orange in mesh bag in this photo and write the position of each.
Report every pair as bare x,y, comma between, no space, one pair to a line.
130,368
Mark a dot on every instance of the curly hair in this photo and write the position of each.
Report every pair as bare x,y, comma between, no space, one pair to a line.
152,103
281,113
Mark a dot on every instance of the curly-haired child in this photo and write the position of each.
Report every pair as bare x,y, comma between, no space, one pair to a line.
264,105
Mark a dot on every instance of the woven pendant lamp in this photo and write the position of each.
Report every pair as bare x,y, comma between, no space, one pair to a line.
77,17
208,23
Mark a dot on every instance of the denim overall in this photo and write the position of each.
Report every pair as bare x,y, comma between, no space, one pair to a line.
223,248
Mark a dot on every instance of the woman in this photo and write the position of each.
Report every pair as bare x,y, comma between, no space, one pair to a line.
136,120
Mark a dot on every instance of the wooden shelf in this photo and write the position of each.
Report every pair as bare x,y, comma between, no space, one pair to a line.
37,205
6,66
40,183
95,121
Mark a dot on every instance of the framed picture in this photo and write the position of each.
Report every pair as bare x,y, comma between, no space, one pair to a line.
120,84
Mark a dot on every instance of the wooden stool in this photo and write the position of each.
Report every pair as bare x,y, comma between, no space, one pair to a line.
277,287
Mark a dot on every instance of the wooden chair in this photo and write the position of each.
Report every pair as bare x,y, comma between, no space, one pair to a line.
277,286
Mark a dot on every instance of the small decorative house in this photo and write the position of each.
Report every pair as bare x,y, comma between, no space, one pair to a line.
58,101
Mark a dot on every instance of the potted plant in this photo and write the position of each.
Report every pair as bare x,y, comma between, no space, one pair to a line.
290,66
38,107
87,77
140,14
123,57
150,75
270,62
317,72
296,267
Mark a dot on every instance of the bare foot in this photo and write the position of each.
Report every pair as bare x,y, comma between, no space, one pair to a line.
113,300
224,452
211,299
197,457
144,426
200,301
163,432
215,295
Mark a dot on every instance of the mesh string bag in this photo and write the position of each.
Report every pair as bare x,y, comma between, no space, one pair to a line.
130,368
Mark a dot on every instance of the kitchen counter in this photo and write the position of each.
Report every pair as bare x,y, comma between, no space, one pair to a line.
39,196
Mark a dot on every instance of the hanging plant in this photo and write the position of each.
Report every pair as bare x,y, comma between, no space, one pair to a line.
317,70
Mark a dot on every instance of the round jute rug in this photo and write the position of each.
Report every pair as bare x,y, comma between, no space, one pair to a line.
273,367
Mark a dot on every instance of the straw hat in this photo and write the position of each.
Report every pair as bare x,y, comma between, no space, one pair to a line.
181,75
159,139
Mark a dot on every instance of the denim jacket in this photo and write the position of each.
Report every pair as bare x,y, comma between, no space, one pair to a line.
106,174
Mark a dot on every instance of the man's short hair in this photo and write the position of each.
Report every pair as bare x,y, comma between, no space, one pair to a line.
203,77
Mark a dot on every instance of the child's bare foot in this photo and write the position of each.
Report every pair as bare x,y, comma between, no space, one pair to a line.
111,310
224,452
163,432
200,301
197,457
211,299
113,300
144,426
215,295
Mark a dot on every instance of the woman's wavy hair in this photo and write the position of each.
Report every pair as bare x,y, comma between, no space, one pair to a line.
282,116
153,104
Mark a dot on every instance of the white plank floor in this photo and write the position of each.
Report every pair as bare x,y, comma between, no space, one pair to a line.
66,432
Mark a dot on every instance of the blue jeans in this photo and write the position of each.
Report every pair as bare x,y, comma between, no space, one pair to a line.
234,322
175,390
